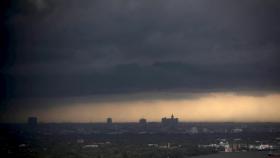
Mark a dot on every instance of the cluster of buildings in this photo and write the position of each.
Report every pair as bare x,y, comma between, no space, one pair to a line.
168,122
166,125
172,121
165,146
238,145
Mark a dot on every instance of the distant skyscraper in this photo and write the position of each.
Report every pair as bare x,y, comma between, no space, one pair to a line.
169,122
142,121
109,120
32,121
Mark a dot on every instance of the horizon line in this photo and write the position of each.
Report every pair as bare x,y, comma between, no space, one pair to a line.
127,122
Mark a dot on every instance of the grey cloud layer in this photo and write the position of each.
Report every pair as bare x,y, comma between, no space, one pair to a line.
69,48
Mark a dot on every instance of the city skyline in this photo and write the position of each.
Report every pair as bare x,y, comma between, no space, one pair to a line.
140,78
217,107
82,61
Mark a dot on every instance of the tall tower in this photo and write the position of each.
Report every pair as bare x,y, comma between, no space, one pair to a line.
142,121
109,120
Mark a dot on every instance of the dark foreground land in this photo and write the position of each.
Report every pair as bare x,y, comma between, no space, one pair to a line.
131,140
236,155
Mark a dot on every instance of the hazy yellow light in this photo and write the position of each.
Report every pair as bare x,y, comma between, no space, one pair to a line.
212,107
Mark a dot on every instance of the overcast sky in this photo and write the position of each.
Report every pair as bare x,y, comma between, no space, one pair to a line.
98,49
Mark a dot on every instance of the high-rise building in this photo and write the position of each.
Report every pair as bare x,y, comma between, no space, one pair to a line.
32,121
169,122
142,121
109,120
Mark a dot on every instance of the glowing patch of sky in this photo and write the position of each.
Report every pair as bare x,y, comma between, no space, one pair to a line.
212,107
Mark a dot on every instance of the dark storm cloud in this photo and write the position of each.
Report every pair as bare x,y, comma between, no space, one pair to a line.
76,48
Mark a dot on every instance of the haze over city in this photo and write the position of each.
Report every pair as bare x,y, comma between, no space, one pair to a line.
210,107
140,79
84,61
